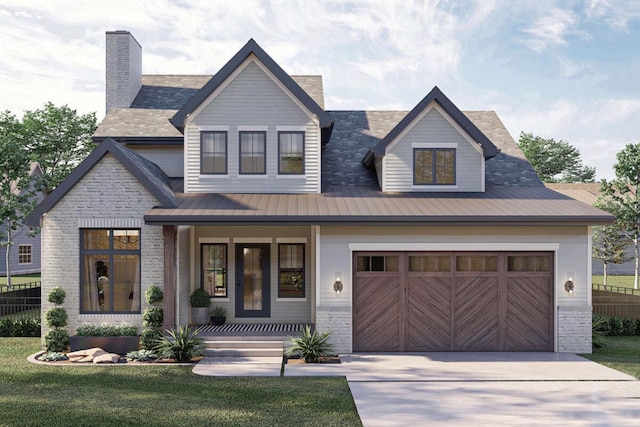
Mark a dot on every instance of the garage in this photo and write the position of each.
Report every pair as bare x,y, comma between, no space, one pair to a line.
453,301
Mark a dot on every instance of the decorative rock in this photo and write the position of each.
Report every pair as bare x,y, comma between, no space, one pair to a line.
106,358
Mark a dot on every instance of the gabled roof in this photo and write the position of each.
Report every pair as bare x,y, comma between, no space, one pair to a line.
251,47
489,150
146,172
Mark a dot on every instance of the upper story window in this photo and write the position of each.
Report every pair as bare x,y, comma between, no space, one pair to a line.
434,166
253,153
213,152
291,153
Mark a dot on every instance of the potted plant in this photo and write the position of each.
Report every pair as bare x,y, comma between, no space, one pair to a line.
118,339
218,315
200,301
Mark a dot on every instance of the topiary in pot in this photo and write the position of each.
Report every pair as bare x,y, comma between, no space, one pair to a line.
200,301
310,345
218,315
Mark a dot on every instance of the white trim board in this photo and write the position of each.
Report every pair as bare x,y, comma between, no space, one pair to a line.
484,247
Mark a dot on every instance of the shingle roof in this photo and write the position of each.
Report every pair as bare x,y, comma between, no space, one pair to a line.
357,132
584,192
363,205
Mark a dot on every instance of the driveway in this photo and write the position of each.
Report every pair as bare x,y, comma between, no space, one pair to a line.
472,389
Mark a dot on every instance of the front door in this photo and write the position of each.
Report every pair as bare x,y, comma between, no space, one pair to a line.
253,289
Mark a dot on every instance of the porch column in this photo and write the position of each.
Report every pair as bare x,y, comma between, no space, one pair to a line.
169,233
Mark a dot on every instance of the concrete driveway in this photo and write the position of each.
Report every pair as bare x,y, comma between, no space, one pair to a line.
474,389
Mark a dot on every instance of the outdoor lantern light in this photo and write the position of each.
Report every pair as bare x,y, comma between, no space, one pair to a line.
568,285
337,285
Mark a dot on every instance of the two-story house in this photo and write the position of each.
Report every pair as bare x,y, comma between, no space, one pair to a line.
396,230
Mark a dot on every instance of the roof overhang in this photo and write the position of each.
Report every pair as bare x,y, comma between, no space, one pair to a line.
142,140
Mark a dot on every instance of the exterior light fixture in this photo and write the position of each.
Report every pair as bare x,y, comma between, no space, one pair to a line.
337,285
568,285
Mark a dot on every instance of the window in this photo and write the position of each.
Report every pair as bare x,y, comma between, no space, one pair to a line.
377,263
528,263
291,270
214,269
110,271
24,254
477,263
213,152
253,159
434,166
291,153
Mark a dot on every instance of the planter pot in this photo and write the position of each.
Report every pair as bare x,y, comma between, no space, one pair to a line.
199,315
117,345
218,320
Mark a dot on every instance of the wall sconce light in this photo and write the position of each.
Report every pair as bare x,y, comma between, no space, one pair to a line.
568,285
337,285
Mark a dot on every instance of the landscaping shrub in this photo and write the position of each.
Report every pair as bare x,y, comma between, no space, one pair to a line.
153,295
6,327
628,326
142,355
310,345
149,338
107,331
637,326
153,316
56,295
599,328
200,298
56,317
20,328
56,340
615,326
183,344
53,357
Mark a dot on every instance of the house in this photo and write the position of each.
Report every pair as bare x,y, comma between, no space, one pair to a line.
589,193
24,256
395,230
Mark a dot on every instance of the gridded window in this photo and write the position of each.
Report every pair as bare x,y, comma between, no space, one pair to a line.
24,254
291,270
434,166
430,263
110,270
253,159
291,153
527,263
213,152
477,263
377,263
214,269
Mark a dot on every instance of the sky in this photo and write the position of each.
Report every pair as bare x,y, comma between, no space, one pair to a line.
558,69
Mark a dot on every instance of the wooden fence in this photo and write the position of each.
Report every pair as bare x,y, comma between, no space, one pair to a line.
616,301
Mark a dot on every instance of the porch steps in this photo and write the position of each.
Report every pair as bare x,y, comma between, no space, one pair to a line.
244,346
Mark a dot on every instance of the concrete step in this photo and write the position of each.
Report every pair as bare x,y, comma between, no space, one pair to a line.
243,352
221,337
243,344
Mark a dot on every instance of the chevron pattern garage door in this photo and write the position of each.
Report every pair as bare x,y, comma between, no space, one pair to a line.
453,301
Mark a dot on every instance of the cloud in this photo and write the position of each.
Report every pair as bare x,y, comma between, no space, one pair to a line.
617,13
551,30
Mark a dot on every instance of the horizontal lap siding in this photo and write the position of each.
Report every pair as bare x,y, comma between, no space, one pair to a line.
253,99
433,128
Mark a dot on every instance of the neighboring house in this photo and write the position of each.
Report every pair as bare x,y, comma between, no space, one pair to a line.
589,193
24,257
395,230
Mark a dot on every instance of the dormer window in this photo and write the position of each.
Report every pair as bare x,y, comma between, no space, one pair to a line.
213,152
291,153
253,153
434,166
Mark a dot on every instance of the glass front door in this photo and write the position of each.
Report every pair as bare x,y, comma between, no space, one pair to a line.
252,273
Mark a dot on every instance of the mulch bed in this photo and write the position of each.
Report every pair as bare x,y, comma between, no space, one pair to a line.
35,358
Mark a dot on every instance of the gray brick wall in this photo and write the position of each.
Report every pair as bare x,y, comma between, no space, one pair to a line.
108,196
123,69
574,329
336,319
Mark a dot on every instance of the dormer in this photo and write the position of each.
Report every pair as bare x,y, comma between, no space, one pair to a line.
252,129
434,148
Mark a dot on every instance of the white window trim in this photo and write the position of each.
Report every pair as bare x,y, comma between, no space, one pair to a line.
434,145
213,240
443,246
253,240
433,187
213,128
290,176
291,240
291,128
291,299
245,128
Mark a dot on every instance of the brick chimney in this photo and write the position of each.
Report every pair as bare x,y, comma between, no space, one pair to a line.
124,69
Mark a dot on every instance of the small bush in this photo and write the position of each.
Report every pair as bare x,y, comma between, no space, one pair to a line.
107,331
200,298
183,344
6,328
53,357
56,317
56,295
153,316
218,312
628,326
310,345
153,294
56,340
599,328
149,338
141,355
26,328
637,326
615,326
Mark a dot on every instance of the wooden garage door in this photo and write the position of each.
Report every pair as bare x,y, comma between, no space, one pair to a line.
453,301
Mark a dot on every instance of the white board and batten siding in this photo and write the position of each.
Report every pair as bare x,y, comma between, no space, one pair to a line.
433,130
252,99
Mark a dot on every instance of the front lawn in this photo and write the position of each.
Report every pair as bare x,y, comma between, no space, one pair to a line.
35,395
620,353
621,281
17,280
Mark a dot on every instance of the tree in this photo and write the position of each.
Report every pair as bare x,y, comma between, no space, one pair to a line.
555,161
620,197
609,246
59,139
17,189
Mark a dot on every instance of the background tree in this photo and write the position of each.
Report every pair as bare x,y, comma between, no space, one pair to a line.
609,246
17,189
555,161
620,197
59,139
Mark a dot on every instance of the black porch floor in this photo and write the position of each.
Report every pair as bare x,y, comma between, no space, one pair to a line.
252,329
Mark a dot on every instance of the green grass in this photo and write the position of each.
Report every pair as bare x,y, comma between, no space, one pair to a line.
16,280
35,395
622,281
620,353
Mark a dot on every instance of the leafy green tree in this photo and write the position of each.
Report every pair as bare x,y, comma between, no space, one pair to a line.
609,246
620,197
59,139
17,189
555,161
